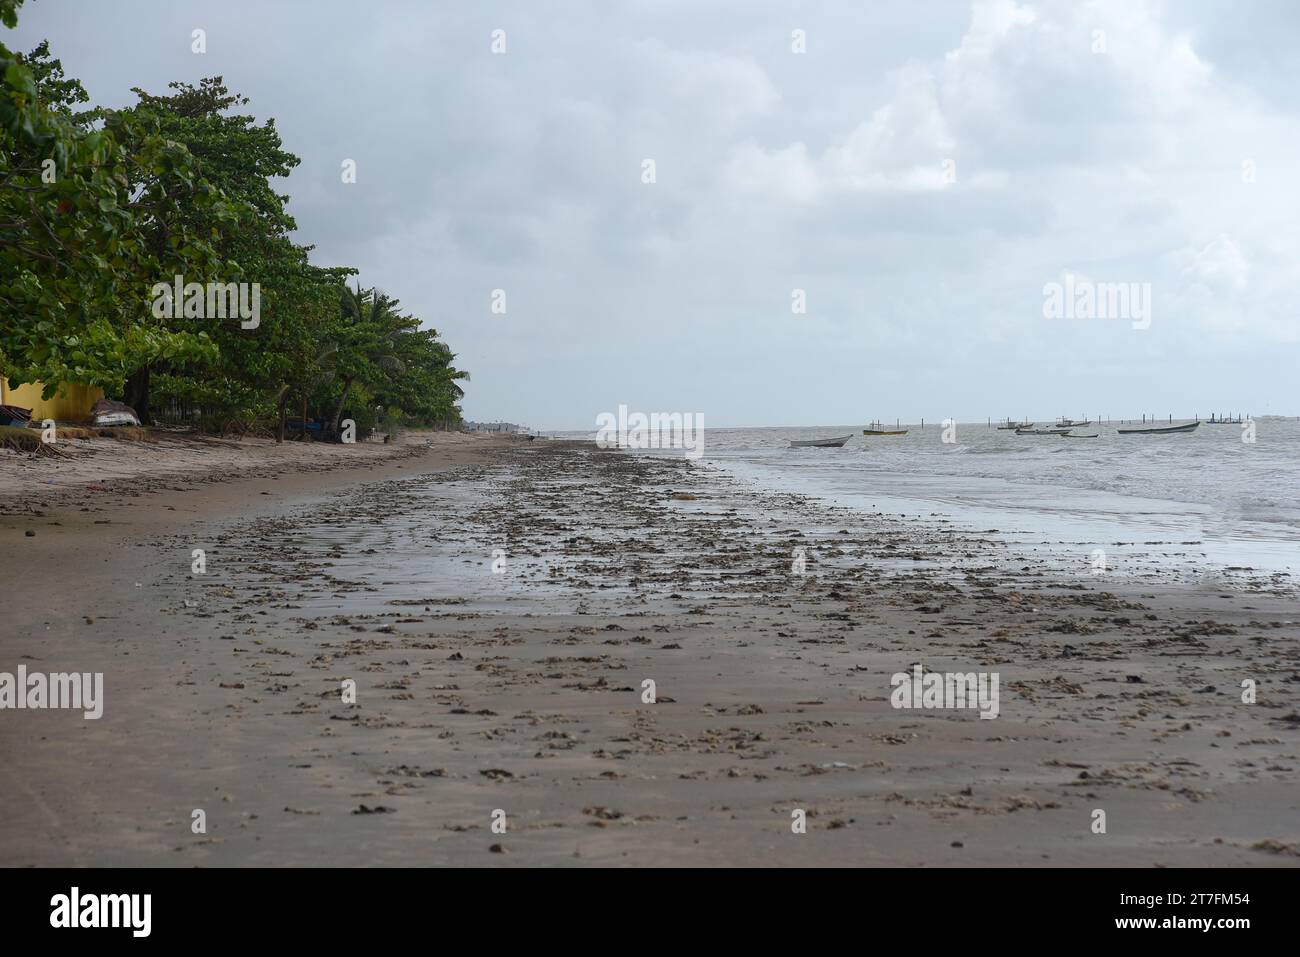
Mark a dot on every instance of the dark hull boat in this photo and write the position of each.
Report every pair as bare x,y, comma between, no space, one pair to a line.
1159,429
879,428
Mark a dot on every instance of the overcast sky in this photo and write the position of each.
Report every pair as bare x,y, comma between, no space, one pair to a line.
921,172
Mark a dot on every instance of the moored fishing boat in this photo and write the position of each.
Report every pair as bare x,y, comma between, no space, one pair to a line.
1016,425
1149,429
831,443
875,428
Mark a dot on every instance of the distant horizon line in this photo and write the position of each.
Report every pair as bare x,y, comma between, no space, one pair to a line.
926,421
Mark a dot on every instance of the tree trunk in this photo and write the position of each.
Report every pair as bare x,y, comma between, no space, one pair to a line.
284,411
338,413
136,395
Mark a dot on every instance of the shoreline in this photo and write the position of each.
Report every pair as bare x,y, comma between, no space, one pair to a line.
1141,546
521,691
1193,504
183,461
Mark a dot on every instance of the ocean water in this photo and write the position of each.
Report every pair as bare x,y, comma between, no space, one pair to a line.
1204,498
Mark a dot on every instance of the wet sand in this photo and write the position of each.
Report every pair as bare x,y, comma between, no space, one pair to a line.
520,689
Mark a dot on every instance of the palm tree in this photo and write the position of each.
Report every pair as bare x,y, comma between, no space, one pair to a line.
450,374
368,332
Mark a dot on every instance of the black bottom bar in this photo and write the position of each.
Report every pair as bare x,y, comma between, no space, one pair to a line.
382,907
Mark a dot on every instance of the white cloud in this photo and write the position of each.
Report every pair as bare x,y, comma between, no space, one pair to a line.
1219,263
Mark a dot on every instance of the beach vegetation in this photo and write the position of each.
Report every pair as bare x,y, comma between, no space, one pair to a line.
99,208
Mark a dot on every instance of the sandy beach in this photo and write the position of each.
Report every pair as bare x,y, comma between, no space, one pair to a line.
501,604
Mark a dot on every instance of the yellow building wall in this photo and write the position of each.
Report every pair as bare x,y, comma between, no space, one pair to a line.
70,404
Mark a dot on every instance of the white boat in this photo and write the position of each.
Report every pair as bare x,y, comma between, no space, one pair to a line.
1055,430
832,443
1016,425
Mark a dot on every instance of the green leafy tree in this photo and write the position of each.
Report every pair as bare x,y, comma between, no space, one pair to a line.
366,337
241,157
98,206
75,202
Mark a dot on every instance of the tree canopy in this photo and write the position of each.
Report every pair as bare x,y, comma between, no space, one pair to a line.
99,207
